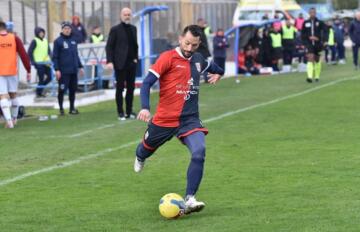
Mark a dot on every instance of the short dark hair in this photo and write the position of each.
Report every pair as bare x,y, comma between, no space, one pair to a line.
195,30
2,25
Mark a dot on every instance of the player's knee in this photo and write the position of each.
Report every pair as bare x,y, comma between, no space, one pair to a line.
198,154
143,152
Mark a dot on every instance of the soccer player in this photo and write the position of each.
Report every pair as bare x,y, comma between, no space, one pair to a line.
314,36
177,114
10,46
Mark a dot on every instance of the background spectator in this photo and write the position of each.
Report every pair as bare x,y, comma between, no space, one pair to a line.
299,21
288,42
204,46
66,64
220,43
276,48
122,55
331,44
39,52
354,32
95,38
78,30
339,31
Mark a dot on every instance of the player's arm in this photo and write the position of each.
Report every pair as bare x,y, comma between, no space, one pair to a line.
22,53
215,72
149,81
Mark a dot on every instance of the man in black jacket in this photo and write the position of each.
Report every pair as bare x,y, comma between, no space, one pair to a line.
314,37
122,55
354,32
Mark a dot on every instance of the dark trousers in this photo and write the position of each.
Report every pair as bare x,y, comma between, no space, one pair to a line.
220,61
332,51
288,56
44,74
67,82
126,75
340,51
355,49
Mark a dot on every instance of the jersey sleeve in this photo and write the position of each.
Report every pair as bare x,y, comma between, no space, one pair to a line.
162,65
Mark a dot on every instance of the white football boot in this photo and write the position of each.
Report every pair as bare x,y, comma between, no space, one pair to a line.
138,165
192,205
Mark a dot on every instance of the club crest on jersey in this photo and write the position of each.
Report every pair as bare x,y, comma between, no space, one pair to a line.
146,135
198,67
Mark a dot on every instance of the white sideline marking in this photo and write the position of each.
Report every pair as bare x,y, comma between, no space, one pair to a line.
66,164
91,131
104,152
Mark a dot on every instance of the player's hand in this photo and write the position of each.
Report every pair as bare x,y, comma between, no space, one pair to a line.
213,78
81,72
28,77
110,66
58,75
144,115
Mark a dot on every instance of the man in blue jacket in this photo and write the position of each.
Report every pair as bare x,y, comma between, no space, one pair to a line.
66,64
78,30
339,31
354,32
220,44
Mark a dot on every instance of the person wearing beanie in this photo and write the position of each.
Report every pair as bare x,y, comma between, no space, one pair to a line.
66,64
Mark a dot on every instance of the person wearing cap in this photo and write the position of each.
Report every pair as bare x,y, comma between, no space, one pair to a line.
10,47
40,53
78,30
67,65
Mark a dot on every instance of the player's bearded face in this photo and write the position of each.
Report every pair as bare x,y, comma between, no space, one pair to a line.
189,44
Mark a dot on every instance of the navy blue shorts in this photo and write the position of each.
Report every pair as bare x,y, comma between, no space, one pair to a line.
155,136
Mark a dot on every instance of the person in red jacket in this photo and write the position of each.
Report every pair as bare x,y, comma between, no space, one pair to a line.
10,47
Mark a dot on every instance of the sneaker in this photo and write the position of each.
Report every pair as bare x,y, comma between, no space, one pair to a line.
74,112
132,115
342,61
192,205
121,117
317,79
61,112
138,165
309,80
9,124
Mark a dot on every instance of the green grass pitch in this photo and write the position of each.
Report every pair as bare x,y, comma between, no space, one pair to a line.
284,155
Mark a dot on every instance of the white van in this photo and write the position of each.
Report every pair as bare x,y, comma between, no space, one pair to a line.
253,11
